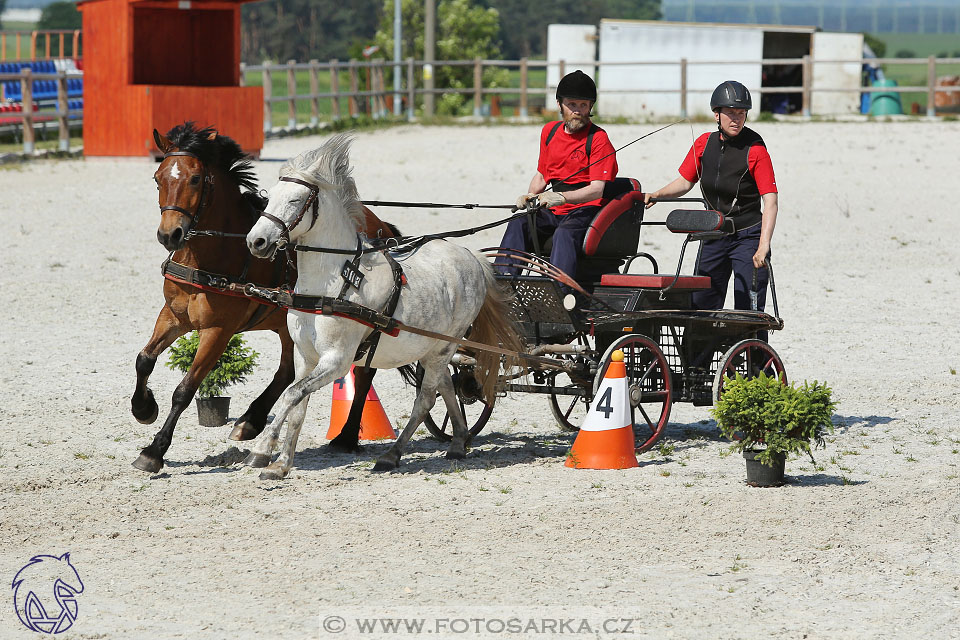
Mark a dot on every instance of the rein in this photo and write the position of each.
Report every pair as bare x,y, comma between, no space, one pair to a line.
312,199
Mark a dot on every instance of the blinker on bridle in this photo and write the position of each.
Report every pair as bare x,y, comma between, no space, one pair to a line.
311,201
206,180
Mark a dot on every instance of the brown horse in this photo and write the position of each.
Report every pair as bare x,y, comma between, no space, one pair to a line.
208,203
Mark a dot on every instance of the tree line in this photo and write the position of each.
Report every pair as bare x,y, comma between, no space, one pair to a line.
282,30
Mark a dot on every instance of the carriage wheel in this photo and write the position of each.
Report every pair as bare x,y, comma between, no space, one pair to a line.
650,387
475,411
570,410
749,358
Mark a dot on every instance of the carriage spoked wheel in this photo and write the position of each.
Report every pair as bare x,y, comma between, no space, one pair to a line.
476,411
749,358
569,410
649,386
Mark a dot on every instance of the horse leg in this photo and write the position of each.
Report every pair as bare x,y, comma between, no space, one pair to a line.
307,383
279,469
251,423
213,342
348,440
458,444
142,404
426,398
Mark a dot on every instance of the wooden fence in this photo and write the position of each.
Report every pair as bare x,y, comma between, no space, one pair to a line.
359,87
39,44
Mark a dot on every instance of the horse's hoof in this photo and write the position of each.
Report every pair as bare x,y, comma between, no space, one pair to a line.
344,446
273,472
257,460
146,412
148,464
244,431
385,465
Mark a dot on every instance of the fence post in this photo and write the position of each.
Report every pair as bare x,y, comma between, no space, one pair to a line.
26,93
807,86
931,83
524,81
76,43
335,89
63,119
314,90
243,74
291,95
683,87
411,91
352,100
267,94
477,87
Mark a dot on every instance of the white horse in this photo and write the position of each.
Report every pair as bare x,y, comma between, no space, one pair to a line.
447,289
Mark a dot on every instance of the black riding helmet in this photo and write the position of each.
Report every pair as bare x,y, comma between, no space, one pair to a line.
577,85
731,94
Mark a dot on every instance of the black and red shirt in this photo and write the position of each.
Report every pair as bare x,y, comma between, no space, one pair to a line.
733,173
566,153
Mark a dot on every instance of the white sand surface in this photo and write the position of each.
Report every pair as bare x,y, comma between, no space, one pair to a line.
862,545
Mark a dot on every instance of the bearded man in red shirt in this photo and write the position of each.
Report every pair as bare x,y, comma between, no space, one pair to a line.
567,149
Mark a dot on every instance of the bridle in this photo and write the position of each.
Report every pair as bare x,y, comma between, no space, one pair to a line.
311,201
206,181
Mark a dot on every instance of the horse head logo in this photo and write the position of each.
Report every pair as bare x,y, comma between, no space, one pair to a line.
37,608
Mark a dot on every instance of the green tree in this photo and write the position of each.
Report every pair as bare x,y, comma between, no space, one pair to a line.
59,15
281,30
523,24
877,45
464,31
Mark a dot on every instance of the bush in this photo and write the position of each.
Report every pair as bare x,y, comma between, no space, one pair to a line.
237,361
781,418
905,53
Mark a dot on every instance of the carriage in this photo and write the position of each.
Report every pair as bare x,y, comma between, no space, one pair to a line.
673,352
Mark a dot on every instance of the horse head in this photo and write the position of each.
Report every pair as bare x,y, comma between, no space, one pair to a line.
185,187
316,194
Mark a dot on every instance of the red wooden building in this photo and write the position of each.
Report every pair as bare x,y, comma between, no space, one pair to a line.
157,63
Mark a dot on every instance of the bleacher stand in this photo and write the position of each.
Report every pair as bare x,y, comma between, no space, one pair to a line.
44,90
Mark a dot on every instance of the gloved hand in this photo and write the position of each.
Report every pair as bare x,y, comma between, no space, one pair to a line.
551,199
524,199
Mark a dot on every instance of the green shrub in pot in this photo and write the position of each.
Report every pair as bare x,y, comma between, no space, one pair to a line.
761,413
238,361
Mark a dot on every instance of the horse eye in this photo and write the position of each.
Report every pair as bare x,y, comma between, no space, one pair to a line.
195,180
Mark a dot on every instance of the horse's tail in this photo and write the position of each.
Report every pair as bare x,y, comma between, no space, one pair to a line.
495,325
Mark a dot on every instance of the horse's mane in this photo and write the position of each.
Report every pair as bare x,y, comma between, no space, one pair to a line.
222,152
328,166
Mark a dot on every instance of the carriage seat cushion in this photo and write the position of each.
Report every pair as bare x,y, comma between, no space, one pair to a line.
697,221
608,234
654,281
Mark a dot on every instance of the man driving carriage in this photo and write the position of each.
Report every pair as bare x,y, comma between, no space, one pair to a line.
567,147
736,176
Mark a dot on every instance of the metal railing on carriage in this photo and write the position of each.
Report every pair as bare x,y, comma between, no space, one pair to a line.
376,100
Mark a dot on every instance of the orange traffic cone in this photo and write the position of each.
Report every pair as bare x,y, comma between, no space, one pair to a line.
374,423
605,440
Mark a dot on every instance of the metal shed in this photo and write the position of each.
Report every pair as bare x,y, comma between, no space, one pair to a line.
718,52
157,63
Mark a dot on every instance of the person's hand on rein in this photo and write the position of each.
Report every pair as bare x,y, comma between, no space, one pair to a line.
523,200
551,199
648,200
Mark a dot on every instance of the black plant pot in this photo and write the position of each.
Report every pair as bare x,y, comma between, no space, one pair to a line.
761,475
213,412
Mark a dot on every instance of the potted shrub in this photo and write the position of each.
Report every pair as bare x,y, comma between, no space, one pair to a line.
237,361
768,419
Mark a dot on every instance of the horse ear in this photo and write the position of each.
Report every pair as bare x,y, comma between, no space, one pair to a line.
213,136
162,142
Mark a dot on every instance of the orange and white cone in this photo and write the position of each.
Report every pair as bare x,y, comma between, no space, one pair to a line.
374,423
605,440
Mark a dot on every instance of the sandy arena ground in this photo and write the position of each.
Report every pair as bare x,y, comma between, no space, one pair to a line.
862,545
